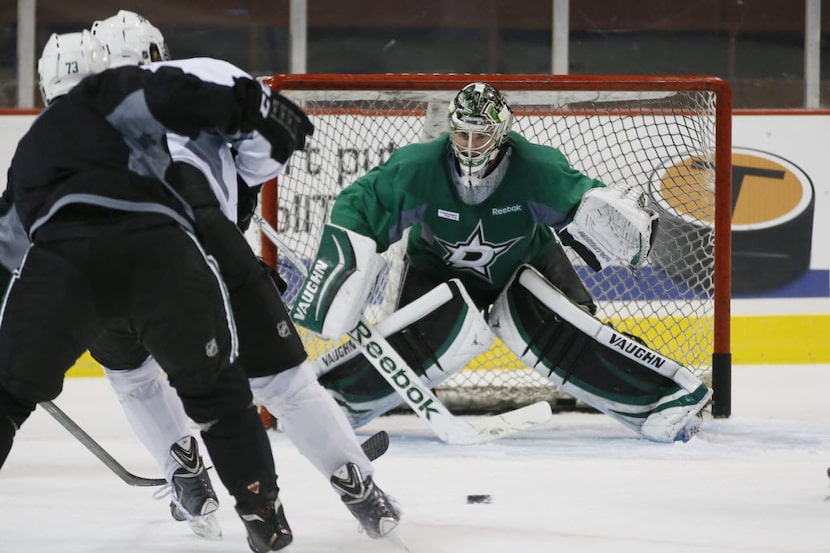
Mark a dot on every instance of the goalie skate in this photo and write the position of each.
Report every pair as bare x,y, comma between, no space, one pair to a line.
689,431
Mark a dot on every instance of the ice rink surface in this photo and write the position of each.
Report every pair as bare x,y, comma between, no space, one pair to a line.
754,483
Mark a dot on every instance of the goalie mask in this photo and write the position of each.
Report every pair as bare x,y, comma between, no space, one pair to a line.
130,39
66,60
480,121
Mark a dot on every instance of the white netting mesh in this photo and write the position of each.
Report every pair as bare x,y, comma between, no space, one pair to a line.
661,140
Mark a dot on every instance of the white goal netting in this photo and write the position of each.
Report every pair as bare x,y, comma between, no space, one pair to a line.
657,134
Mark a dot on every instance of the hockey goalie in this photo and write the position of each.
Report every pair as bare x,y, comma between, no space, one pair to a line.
486,210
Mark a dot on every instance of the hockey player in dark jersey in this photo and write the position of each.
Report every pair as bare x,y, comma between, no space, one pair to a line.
138,381
482,205
210,167
113,249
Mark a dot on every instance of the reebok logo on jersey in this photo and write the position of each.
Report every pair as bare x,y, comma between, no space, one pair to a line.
507,209
451,215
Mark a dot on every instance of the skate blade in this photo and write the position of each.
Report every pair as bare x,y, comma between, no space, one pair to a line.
393,537
206,527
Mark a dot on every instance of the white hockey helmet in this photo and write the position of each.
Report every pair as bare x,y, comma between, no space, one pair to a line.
66,59
480,120
130,39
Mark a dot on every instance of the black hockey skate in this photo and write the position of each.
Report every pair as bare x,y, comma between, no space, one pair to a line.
267,526
376,511
194,499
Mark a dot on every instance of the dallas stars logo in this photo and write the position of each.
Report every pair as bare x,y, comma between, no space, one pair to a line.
475,254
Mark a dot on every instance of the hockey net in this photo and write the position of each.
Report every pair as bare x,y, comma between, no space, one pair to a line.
668,135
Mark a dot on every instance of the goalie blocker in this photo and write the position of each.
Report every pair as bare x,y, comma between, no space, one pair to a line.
437,335
593,362
338,285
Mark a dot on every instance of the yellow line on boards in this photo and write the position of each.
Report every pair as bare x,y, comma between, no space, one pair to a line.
757,339
85,366
780,339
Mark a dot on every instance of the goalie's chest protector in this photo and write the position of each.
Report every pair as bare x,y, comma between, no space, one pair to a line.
481,244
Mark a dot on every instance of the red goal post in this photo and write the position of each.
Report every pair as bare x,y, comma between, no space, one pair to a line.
671,135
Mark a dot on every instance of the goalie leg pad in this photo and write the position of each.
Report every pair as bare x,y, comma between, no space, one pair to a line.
593,362
338,285
437,335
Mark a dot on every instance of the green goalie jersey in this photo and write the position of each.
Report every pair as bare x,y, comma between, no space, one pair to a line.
483,244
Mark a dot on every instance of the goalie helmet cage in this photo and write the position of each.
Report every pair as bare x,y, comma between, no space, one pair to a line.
668,135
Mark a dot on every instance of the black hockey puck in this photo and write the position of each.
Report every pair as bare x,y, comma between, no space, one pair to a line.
828,472
480,498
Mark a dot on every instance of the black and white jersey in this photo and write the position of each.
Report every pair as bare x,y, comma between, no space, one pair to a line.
104,144
210,151
13,239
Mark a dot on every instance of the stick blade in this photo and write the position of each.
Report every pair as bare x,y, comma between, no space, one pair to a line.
511,422
376,445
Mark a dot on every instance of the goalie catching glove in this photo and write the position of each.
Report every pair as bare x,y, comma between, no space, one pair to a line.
279,120
337,287
612,225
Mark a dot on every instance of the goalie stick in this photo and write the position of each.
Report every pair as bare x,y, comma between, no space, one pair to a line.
374,446
397,372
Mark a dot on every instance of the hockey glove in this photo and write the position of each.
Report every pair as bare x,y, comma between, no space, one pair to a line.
274,275
279,120
611,226
248,197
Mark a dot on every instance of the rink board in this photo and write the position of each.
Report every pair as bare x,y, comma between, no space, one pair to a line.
777,339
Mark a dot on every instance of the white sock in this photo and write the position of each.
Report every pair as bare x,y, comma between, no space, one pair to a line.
153,410
312,419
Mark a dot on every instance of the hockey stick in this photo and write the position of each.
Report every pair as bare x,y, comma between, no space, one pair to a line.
95,448
375,445
397,372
